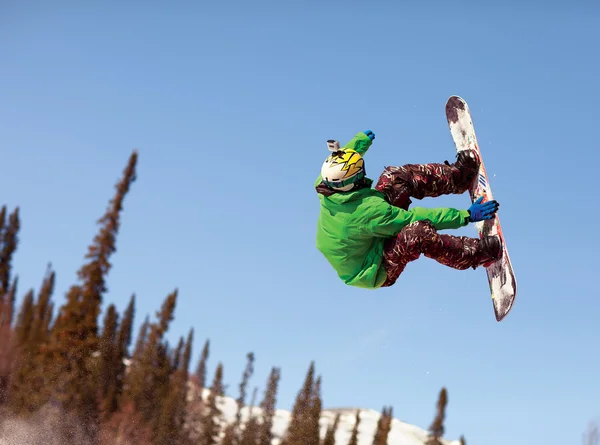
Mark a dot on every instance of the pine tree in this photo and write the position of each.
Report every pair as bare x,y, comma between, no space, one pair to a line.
7,346
462,440
9,240
126,427
232,431
7,305
388,425
299,429
124,336
176,355
436,429
384,425
43,309
74,339
171,420
229,436
25,320
241,400
314,427
7,309
8,246
116,352
331,430
210,425
354,436
201,369
182,382
142,336
250,434
113,343
265,435
161,414
379,428
107,347
195,408
121,353
25,388
150,368
165,432
17,349
2,221
168,392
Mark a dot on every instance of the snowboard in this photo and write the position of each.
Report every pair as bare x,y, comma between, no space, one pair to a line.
501,277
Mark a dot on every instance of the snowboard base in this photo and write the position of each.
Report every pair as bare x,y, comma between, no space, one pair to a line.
501,277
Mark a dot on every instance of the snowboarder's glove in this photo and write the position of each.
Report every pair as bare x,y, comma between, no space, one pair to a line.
370,134
479,212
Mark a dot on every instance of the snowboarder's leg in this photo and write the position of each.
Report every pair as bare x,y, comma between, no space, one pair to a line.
401,183
421,237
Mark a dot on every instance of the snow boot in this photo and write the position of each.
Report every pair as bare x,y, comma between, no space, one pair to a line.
467,165
490,250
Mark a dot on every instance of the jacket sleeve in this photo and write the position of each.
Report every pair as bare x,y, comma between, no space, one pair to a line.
386,220
360,143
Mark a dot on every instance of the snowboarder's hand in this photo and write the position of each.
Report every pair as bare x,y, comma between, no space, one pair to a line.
370,134
479,212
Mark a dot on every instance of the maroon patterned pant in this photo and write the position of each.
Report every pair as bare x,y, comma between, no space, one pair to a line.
399,184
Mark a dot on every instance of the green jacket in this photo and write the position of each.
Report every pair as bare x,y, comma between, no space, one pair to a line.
353,226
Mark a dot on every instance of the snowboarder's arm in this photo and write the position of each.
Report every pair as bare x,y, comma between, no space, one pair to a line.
360,143
388,220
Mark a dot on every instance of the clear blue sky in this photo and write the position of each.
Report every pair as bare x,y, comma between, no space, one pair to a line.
230,106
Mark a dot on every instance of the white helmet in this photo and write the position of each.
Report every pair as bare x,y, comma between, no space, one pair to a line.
343,168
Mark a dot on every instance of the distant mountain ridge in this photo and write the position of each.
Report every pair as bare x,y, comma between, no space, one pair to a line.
401,433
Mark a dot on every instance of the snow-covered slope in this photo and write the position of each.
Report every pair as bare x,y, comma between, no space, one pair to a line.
400,434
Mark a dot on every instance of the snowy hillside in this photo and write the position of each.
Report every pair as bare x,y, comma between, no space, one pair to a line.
400,434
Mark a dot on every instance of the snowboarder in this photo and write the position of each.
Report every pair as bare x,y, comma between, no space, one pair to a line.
369,235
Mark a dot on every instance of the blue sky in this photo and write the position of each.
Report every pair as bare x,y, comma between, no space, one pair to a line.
230,106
